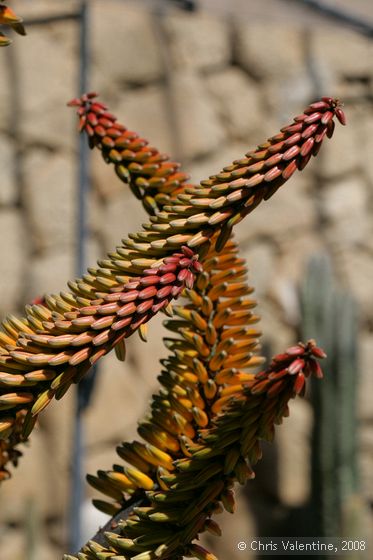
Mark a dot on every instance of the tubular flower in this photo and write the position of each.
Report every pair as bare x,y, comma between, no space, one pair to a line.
72,342
149,173
180,507
210,363
195,379
8,17
216,337
225,198
55,344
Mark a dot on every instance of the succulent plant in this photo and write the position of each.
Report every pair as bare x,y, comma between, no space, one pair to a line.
184,487
205,424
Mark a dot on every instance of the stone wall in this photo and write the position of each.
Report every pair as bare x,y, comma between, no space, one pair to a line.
205,88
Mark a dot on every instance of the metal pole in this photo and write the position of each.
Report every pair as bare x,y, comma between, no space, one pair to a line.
77,493
340,15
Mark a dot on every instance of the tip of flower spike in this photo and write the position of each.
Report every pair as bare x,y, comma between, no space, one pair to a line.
190,254
314,349
294,366
301,349
337,105
322,112
334,105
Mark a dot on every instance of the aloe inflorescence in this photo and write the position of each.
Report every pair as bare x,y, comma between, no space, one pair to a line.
208,371
193,485
207,380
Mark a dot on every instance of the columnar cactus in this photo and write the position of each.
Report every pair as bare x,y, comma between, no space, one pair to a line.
335,479
210,406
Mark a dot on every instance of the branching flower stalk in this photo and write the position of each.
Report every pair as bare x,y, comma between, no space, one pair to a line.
42,354
217,343
207,366
197,384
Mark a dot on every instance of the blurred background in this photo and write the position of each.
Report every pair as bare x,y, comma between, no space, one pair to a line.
204,81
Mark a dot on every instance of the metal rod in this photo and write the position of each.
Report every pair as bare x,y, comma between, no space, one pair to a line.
362,26
52,19
77,489
83,173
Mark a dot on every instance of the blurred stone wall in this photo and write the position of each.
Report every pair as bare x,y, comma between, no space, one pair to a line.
206,88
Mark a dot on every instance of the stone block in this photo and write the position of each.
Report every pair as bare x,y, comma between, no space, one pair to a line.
340,155
105,185
201,131
13,545
345,204
213,163
235,530
294,249
342,53
357,270
286,98
124,45
44,118
94,250
94,210
121,215
51,198
197,41
49,273
12,259
6,89
269,51
238,102
261,261
278,335
365,459
8,189
293,439
43,8
122,394
146,112
366,147
33,479
116,406
344,196
288,212
57,428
